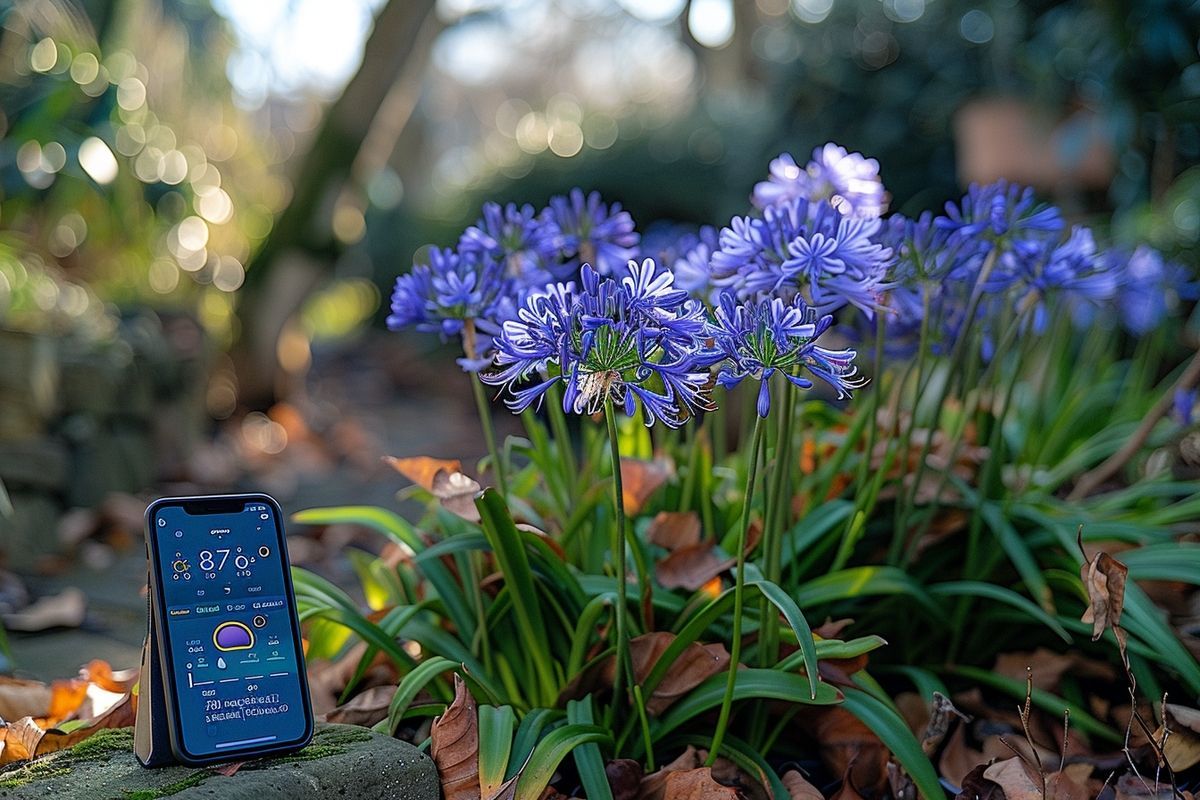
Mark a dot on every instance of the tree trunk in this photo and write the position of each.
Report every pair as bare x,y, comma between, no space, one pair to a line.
301,248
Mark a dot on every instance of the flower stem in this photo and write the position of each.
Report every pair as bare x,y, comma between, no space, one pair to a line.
624,664
471,351
489,434
739,591
562,438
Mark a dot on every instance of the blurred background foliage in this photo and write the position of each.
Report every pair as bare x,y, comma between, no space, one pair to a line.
269,167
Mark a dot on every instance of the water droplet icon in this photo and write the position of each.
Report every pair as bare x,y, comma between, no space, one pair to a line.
220,663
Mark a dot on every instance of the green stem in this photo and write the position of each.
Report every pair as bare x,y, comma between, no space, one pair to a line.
953,362
778,501
562,438
624,665
489,434
739,592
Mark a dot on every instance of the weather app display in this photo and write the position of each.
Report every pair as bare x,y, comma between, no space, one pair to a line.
229,632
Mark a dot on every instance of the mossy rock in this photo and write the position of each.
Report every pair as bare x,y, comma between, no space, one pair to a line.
341,761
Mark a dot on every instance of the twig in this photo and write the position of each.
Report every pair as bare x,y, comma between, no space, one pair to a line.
1092,479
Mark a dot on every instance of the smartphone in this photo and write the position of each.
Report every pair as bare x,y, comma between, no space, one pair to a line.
226,628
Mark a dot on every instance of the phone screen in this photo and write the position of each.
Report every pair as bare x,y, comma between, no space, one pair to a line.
229,630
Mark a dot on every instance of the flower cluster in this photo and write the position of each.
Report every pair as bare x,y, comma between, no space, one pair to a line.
849,181
761,337
802,247
639,341
508,253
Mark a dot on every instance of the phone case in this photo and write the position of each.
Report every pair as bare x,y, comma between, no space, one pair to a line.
151,737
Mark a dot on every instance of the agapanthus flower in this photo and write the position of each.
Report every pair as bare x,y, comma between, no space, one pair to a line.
693,266
762,336
799,246
637,341
1034,269
452,295
526,244
1000,213
593,232
1150,286
849,181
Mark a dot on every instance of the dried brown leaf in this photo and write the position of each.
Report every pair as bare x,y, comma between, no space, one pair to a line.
1104,578
640,479
654,785
1014,776
624,778
421,470
691,567
849,747
456,492
21,698
228,770
696,663
454,746
1181,745
958,761
365,709
1133,787
799,788
696,784
942,715
977,787
674,529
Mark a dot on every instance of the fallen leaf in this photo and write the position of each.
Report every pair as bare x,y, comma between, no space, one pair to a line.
454,746
1104,578
640,479
457,492
228,770
941,716
691,567
1134,787
654,785
624,778
674,529
832,628
1013,776
22,698
365,708
1047,667
102,674
65,698
977,787
798,788
727,773
696,663
696,784
421,470
848,791
849,747
958,761
1181,745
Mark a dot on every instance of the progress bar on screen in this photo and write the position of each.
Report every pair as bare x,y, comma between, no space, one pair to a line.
240,742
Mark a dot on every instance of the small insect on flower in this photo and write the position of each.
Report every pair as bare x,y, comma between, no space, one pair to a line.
635,342
759,337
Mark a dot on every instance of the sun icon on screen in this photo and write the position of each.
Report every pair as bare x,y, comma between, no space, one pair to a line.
181,565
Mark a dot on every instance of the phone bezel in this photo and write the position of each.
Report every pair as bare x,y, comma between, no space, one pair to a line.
166,662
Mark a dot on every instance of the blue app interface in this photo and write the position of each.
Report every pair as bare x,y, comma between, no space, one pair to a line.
235,658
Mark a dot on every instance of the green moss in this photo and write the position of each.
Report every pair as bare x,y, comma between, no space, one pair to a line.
106,742
33,771
194,779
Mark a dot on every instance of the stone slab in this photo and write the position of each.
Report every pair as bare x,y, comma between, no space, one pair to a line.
341,761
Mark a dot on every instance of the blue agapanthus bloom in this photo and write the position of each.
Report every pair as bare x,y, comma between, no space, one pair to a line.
849,181
525,243
1151,286
637,341
593,232
812,248
759,337
1000,213
693,266
449,291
